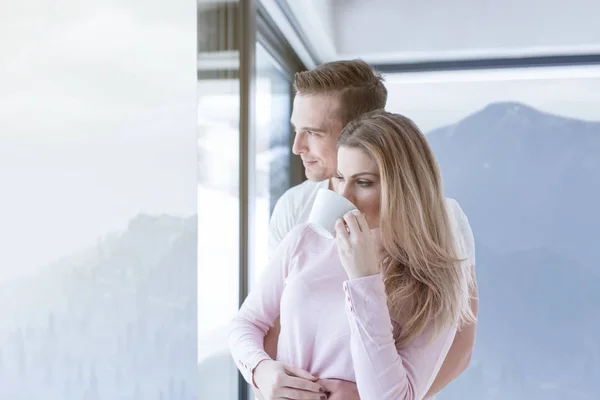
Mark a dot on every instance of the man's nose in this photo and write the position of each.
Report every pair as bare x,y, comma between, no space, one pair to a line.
299,146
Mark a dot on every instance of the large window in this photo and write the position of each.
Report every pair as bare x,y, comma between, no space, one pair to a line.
97,201
520,151
244,166
273,147
218,195
218,233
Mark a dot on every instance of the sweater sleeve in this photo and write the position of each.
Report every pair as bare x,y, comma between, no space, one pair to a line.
383,370
260,309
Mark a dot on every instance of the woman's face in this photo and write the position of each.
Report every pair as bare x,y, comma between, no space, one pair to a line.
358,180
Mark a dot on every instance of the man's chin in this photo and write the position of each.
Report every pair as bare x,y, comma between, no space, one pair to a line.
315,176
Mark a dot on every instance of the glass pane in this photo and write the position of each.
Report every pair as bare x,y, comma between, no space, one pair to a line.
273,147
218,197
218,233
97,201
520,151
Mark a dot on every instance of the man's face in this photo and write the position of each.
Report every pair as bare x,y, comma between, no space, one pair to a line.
314,118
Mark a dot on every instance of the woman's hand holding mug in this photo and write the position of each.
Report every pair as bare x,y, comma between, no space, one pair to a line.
356,245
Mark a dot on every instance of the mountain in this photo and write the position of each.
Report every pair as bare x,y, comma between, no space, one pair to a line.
529,183
117,320
531,176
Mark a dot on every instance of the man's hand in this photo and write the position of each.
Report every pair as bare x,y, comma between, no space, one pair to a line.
338,389
276,380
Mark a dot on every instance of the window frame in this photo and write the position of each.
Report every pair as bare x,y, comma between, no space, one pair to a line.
256,26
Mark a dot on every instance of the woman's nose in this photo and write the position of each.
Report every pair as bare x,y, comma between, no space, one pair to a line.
346,192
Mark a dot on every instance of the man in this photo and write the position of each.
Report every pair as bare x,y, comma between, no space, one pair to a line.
327,98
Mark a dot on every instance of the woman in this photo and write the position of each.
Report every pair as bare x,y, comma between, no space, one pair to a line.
381,303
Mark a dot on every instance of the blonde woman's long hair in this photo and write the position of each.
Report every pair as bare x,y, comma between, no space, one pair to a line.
426,282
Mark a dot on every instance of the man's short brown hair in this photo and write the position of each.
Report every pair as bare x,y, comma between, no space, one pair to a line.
357,86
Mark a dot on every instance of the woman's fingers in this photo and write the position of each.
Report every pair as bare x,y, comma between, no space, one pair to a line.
341,231
362,221
352,223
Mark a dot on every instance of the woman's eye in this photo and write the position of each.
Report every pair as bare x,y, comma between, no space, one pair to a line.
339,178
364,183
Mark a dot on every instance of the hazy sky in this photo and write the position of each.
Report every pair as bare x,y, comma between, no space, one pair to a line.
438,99
97,121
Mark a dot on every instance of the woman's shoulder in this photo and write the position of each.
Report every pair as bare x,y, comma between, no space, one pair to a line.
302,236
303,247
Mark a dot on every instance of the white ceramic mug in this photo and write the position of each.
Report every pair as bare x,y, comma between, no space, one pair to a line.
328,207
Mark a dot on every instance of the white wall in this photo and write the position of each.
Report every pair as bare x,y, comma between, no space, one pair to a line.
393,30
317,20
